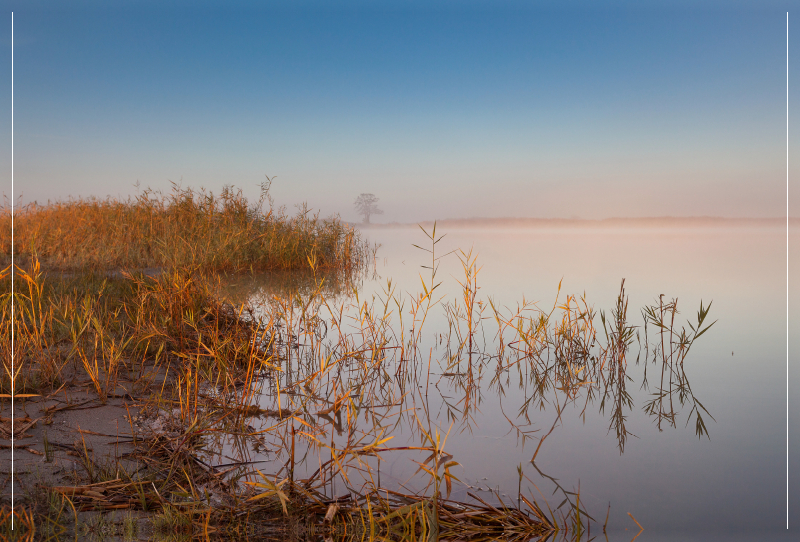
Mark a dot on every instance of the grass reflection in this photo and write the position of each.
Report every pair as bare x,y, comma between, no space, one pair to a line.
282,410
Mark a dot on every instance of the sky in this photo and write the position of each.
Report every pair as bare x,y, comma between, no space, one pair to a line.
441,109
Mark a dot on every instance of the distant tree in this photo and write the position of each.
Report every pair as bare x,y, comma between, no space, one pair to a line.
367,205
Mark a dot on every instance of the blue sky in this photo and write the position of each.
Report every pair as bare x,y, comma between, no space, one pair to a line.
444,111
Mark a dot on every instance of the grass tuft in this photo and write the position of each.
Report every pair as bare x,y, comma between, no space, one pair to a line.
181,228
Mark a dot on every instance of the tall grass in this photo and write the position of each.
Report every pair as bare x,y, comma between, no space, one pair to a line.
333,381
106,328
184,227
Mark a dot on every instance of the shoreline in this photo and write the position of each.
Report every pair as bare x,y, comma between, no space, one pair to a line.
606,223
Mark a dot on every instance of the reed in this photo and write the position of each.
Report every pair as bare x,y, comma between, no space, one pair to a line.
320,383
180,228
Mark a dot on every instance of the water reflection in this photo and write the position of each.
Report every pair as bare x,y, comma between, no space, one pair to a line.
252,289
349,386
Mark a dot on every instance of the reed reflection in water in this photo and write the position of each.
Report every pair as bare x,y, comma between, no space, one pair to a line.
370,389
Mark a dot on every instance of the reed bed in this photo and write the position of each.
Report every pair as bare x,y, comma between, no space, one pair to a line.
180,228
275,416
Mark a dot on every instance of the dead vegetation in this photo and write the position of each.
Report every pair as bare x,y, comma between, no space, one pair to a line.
181,228
274,417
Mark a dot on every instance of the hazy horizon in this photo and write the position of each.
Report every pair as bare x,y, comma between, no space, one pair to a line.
22,203
454,111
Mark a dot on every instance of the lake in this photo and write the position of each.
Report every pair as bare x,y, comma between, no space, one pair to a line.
728,484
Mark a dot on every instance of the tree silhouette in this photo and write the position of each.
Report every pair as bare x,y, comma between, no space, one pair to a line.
367,205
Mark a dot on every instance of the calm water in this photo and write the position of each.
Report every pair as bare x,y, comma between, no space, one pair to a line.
675,484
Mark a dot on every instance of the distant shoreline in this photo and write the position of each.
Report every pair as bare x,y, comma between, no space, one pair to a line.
550,223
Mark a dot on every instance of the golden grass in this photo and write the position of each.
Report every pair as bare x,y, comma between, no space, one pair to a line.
182,228
323,368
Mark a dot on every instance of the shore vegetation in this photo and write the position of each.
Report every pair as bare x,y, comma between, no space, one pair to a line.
272,417
180,228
